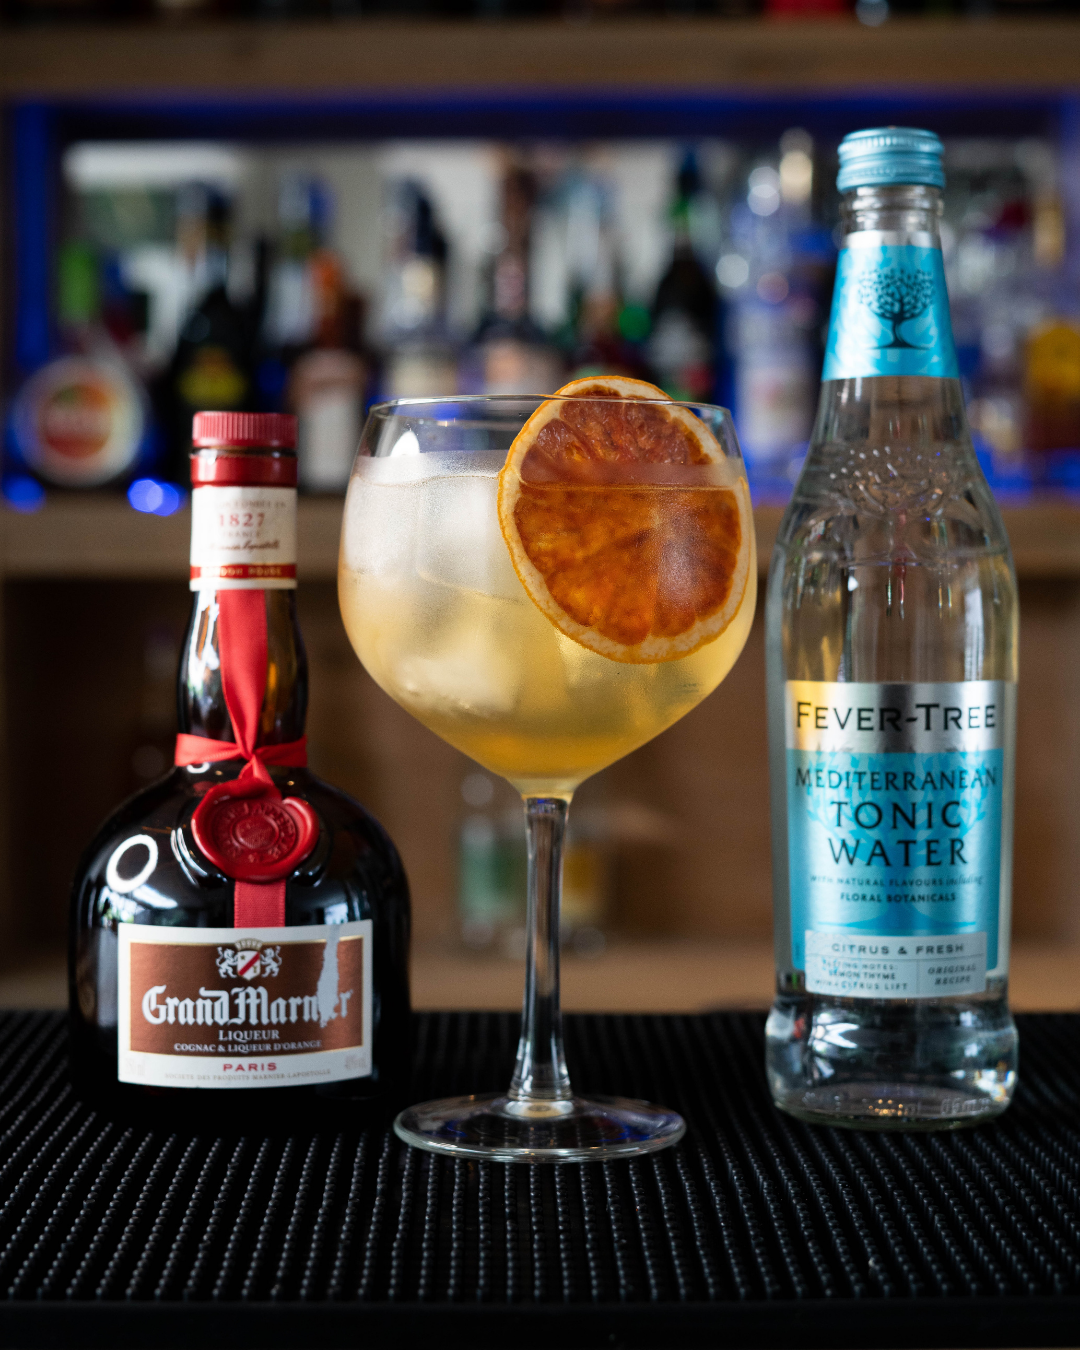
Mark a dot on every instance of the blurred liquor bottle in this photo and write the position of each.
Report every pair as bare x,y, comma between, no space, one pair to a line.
993,310
682,347
1016,309
608,336
491,869
587,874
422,360
492,865
1052,385
806,9
598,9
211,366
294,306
515,356
490,9
604,334
178,10
81,420
776,273
328,391
71,11
312,353
1052,350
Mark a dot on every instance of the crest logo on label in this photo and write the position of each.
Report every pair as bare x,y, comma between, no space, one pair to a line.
248,960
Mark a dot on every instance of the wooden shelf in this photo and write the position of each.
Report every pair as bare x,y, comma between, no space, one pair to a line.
685,976
345,57
100,536
667,975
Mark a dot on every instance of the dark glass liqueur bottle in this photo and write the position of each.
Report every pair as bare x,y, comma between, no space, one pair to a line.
239,930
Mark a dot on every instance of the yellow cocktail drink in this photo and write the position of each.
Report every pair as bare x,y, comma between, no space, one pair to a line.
436,613
547,584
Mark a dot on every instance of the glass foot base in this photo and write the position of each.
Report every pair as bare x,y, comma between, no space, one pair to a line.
583,1129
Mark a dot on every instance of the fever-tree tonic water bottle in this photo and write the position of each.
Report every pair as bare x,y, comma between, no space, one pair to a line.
892,663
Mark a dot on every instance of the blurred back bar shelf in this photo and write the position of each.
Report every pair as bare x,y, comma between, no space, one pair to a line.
351,56
313,213
98,536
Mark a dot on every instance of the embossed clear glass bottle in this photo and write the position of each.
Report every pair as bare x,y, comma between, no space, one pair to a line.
891,626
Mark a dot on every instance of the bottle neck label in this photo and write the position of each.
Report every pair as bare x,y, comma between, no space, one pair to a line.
890,312
243,538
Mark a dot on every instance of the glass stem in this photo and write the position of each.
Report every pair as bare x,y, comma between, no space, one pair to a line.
540,1074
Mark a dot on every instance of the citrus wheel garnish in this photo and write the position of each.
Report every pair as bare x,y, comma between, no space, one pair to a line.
625,522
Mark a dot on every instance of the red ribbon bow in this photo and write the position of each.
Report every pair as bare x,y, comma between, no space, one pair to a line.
245,826
205,750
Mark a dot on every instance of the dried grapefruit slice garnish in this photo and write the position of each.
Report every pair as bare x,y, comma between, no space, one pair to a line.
625,522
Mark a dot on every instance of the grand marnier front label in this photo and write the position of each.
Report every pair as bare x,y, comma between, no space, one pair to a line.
244,1008
899,834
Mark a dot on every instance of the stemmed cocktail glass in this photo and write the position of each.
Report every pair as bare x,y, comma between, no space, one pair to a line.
547,584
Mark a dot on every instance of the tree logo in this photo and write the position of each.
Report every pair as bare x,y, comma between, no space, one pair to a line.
895,295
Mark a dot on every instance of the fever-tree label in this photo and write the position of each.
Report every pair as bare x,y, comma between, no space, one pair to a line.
890,312
896,797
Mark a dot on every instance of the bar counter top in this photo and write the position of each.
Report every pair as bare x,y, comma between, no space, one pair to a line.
754,1231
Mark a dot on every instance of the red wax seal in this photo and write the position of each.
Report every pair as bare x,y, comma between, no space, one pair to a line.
254,835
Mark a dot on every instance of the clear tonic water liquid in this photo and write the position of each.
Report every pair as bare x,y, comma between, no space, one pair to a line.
892,659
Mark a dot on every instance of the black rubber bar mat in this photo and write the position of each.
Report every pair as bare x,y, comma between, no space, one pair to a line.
754,1231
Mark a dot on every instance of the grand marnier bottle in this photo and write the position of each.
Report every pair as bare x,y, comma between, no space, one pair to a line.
891,626
239,929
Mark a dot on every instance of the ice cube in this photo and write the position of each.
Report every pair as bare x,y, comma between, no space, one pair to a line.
378,532
465,669
459,542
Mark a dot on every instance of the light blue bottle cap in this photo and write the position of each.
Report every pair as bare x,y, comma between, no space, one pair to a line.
880,156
